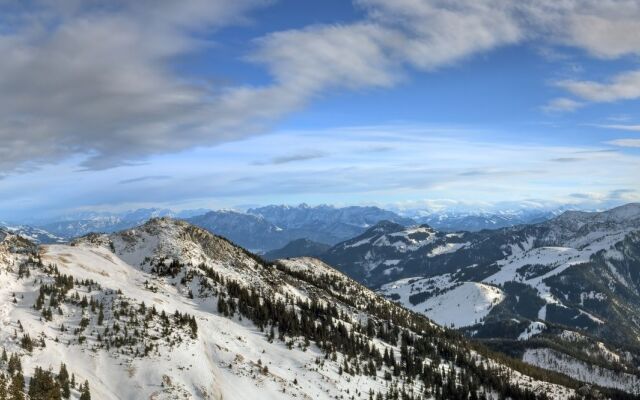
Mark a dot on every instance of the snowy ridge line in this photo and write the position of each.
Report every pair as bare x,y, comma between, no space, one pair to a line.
171,266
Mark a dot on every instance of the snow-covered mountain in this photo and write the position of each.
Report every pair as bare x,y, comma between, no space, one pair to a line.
473,221
168,310
250,231
579,273
324,223
36,235
273,227
260,229
78,224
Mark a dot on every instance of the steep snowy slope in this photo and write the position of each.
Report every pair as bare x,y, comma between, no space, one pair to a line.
167,311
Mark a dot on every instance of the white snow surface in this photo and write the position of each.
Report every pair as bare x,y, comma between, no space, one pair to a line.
224,361
452,304
554,260
562,363
534,328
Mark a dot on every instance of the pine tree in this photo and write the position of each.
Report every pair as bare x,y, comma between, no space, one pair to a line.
63,379
43,386
194,327
85,393
16,390
3,387
14,364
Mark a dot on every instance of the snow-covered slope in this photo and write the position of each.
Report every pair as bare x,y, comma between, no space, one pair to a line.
447,303
36,235
578,272
74,225
559,362
389,250
167,311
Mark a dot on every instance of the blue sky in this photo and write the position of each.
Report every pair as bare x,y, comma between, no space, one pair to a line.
409,103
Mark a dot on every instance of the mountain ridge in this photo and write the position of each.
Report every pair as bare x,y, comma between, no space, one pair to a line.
201,289
577,273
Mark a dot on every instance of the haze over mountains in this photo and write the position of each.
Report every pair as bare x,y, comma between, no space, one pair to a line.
269,228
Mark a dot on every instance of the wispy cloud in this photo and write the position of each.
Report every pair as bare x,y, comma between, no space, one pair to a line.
562,104
289,158
632,128
425,163
584,196
625,143
624,86
144,178
621,193
566,159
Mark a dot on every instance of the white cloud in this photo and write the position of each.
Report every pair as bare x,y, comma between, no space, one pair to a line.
607,29
562,104
438,33
80,77
625,86
632,128
95,78
625,142
424,162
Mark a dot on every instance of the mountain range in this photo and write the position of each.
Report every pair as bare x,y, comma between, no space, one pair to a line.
455,221
168,310
269,228
563,294
36,235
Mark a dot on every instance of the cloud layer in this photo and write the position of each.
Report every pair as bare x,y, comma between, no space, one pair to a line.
418,163
95,78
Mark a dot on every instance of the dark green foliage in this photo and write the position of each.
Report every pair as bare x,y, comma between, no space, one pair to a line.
63,380
43,386
85,393
16,389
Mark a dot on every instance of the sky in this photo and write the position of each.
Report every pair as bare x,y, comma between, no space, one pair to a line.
114,105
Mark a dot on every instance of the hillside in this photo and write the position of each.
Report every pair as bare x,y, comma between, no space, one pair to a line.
577,273
168,310
36,235
298,248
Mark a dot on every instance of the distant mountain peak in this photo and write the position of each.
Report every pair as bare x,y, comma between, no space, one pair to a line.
385,226
627,215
